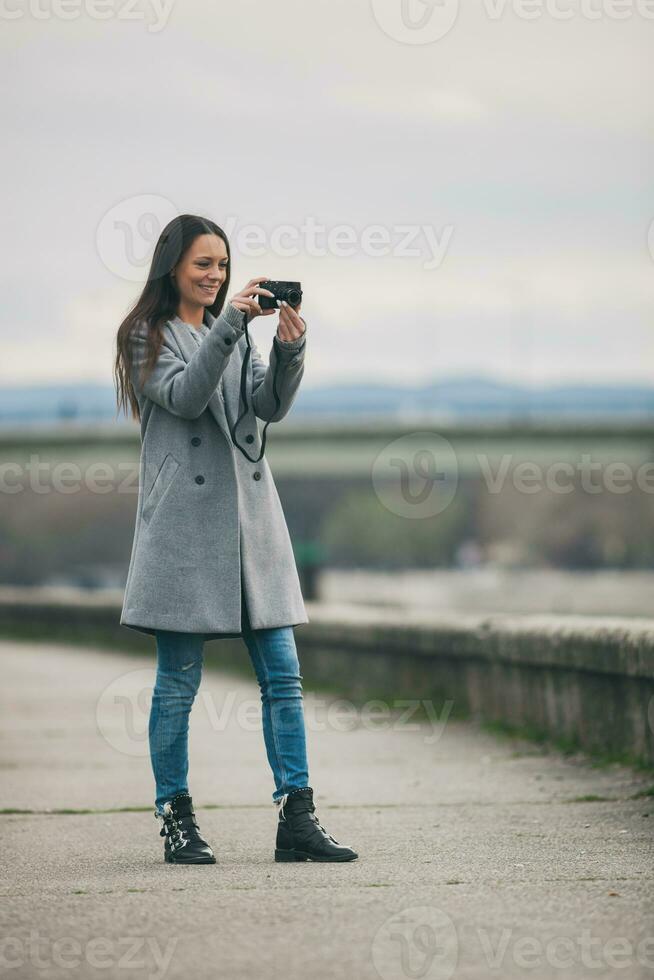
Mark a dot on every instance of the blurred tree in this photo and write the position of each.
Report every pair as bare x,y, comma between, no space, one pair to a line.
360,530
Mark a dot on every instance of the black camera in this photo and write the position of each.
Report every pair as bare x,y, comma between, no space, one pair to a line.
289,291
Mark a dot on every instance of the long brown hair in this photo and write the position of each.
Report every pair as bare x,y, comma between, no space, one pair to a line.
159,300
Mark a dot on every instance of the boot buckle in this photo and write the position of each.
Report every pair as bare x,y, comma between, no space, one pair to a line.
172,829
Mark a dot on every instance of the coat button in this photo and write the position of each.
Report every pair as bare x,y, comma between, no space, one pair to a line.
199,479
195,441
256,475
249,438
228,341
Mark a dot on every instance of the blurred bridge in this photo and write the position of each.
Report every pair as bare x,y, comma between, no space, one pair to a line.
339,450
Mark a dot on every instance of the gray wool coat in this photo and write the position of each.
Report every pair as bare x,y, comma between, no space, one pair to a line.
209,522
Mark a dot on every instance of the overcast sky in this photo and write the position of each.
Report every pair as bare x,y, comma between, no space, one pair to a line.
504,165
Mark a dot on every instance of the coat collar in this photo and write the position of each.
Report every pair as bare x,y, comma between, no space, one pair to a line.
231,375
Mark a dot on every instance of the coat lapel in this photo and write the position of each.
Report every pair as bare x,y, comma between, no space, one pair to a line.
231,375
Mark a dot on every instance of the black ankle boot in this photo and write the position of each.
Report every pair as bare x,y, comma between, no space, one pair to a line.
300,837
184,844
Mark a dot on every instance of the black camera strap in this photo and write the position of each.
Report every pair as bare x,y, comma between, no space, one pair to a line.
243,394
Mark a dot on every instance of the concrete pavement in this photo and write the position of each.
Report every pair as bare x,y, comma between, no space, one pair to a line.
479,856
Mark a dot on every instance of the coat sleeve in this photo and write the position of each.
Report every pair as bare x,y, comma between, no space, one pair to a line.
289,355
182,388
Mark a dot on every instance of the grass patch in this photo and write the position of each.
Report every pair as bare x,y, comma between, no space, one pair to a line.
591,798
643,793
566,746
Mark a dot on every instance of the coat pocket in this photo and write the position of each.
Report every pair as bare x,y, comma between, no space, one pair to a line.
162,482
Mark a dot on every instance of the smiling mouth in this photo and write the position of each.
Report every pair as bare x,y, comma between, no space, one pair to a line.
209,289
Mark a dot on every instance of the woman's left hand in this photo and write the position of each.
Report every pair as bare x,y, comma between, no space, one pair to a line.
291,325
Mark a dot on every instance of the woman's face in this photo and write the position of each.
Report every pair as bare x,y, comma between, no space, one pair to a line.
202,271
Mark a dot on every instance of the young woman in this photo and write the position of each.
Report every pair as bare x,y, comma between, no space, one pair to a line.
211,555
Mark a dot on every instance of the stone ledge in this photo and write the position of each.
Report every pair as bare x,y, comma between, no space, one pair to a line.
615,645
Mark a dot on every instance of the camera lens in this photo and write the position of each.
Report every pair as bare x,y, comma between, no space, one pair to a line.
293,296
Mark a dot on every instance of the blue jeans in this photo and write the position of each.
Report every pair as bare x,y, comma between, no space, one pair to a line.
179,672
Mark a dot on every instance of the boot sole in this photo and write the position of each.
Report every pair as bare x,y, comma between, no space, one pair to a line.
169,860
284,855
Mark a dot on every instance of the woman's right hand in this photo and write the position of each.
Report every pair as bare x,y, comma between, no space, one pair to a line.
245,300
